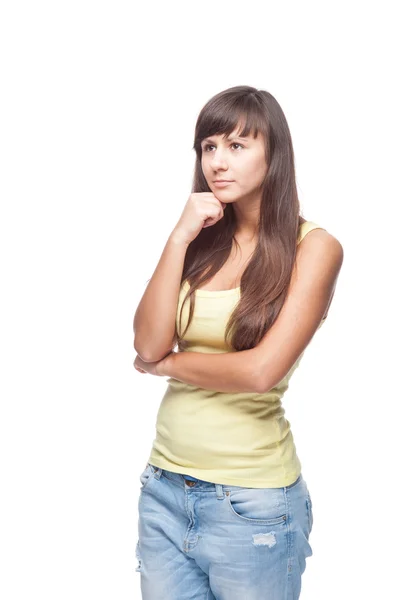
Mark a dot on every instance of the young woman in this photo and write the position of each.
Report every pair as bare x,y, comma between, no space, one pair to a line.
243,284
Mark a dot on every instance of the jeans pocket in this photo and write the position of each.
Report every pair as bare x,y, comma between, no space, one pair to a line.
146,475
309,510
263,506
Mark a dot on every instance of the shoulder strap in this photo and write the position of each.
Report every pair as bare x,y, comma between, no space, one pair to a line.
305,228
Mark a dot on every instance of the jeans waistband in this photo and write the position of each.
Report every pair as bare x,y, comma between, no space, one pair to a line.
181,479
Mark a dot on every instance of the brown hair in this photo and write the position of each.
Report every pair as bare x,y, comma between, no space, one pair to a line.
265,281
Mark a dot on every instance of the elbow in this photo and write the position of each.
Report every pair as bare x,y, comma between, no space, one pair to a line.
153,348
263,384
260,387
143,353
148,355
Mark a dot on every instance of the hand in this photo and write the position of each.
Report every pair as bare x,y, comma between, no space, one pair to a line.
202,210
146,367
154,368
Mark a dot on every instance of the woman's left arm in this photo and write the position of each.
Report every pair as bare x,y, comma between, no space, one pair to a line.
259,369
226,372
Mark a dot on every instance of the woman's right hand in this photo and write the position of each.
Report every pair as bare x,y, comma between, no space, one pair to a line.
202,209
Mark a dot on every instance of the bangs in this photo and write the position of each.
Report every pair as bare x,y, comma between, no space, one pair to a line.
224,117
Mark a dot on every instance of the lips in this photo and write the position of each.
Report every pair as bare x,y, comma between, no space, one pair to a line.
223,181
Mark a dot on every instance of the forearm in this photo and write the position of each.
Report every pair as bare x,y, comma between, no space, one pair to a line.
227,372
154,320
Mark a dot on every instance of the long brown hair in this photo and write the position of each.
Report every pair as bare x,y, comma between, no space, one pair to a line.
265,281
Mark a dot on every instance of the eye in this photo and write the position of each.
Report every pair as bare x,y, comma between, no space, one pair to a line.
211,146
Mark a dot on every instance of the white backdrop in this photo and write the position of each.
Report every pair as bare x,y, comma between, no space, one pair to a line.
98,106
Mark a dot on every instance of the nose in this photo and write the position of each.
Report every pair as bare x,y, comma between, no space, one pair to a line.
218,160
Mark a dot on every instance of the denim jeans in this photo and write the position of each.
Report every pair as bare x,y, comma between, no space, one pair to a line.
210,541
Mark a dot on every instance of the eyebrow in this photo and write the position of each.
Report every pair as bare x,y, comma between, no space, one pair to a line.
229,139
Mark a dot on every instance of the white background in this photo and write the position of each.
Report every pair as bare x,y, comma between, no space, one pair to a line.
98,107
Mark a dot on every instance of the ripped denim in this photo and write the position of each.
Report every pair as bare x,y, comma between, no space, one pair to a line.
210,541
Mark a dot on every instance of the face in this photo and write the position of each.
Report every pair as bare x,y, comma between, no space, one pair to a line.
239,160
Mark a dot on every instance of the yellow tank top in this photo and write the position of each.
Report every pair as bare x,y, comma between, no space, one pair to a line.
240,438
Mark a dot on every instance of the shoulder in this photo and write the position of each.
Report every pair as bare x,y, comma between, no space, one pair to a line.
318,248
314,236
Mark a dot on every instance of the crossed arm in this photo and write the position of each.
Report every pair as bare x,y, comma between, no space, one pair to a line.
226,372
319,260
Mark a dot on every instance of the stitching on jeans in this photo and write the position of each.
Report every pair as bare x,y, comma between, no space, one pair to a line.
290,541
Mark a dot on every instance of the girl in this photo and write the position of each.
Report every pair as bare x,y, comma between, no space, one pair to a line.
242,285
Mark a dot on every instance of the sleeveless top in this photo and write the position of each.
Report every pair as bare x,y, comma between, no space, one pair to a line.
241,439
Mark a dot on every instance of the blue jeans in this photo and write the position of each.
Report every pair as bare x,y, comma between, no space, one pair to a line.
210,541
